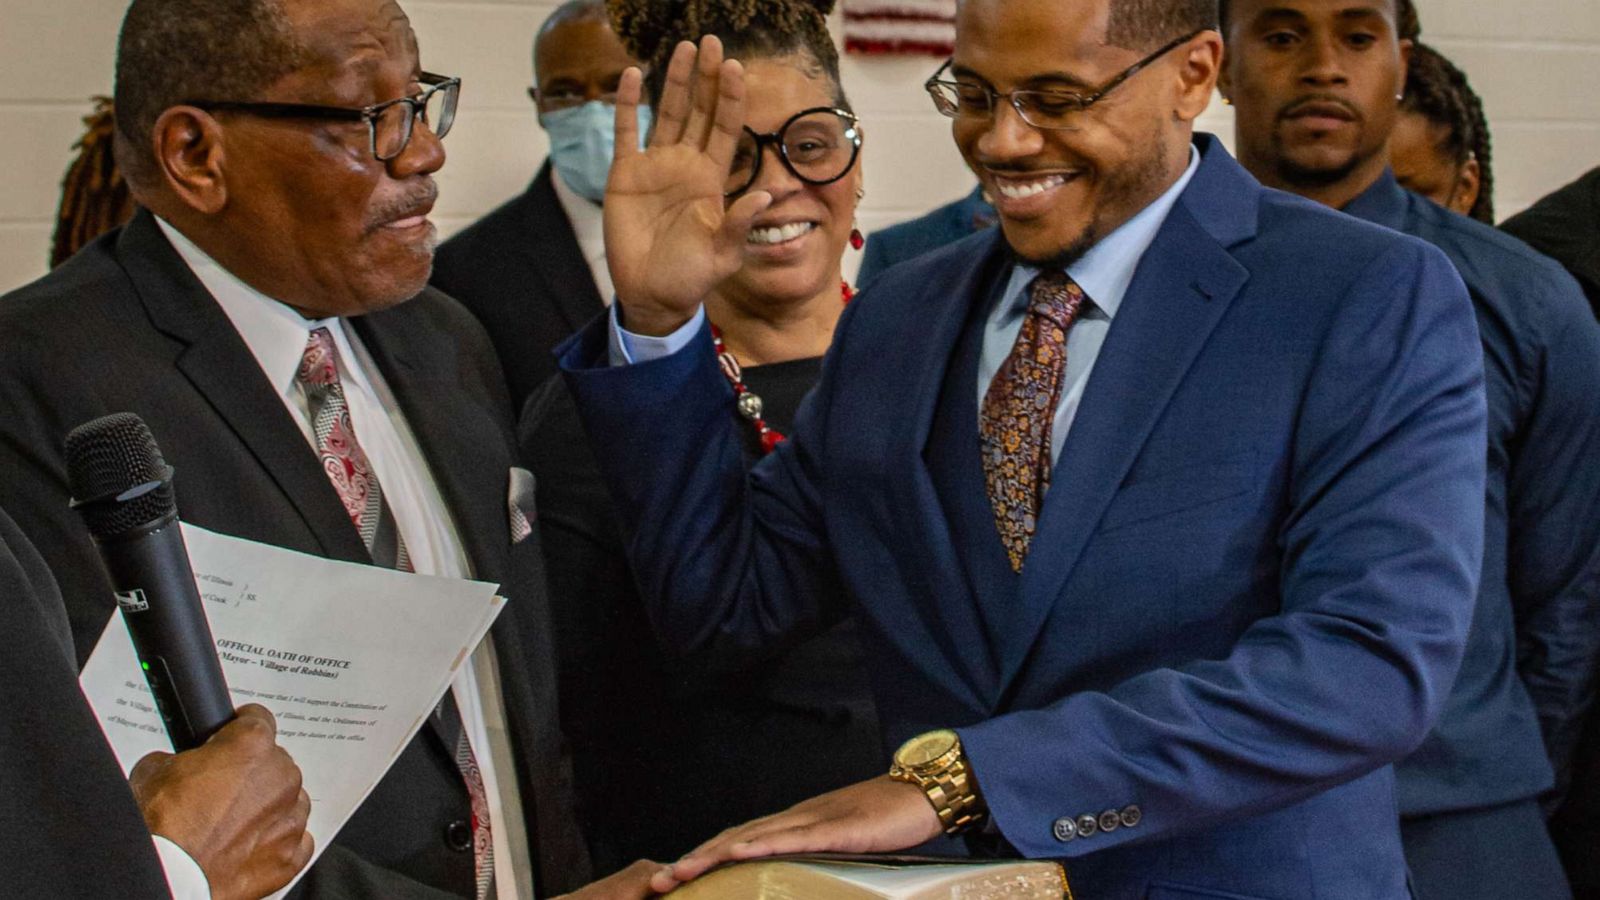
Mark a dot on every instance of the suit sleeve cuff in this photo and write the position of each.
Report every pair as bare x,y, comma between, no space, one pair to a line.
184,877
628,348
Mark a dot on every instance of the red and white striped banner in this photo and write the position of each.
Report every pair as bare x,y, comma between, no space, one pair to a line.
924,27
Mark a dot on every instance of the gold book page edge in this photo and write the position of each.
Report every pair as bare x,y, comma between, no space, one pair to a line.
874,861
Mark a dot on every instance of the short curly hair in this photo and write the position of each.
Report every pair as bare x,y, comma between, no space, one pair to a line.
749,29
174,51
1439,91
1407,26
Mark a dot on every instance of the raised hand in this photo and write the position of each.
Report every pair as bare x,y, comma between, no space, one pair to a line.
669,237
235,805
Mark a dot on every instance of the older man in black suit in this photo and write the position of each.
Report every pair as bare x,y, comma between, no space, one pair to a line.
268,316
534,270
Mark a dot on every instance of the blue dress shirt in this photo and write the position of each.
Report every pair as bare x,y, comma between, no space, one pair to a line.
1538,610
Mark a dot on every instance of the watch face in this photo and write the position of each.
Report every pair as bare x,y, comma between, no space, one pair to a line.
924,749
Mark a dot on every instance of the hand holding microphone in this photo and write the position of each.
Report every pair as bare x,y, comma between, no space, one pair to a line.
231,798
235,805
123,488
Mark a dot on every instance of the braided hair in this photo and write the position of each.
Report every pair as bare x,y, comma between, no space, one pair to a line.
749,29
1439,92
94,198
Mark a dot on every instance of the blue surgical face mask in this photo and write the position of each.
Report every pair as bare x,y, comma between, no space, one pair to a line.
582,140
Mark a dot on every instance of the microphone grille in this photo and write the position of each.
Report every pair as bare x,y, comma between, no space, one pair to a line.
107,456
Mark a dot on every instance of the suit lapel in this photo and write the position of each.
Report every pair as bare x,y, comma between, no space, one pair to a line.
1183,286
552,250
219,365
460,440
457,437
942,606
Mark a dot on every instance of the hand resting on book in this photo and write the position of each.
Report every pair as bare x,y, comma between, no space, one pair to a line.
876,816
632,883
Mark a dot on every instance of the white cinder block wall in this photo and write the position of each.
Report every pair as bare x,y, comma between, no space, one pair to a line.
1536,63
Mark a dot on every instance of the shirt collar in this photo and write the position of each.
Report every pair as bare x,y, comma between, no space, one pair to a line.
274,331
586,216
1384,203
1107,269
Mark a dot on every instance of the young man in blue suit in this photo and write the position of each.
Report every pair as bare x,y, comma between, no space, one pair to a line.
1160,506
1314,83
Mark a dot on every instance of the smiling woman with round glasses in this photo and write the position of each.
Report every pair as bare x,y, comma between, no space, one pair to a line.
634,718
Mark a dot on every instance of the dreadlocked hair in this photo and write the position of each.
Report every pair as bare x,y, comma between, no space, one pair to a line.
94,198
1440,93
749,29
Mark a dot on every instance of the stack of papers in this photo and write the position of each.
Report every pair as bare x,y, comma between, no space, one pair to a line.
350,658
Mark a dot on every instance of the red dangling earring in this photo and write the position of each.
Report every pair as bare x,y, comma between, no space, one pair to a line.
856,240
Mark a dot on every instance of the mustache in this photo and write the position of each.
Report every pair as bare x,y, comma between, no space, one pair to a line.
410,203
1300,104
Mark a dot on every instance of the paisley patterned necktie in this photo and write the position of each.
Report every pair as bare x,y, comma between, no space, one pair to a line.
1019,412
347,467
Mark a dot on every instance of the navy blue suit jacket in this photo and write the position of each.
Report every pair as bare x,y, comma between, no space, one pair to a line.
945,225
1253,574
1541,561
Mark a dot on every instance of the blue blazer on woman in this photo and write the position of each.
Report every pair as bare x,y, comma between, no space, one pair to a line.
1253,574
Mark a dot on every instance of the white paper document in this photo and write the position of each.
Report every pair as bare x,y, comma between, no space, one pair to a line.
350,658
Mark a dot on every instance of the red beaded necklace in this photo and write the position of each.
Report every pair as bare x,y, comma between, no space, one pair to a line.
749,405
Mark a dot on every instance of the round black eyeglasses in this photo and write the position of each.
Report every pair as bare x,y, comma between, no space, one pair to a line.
817,146
389,124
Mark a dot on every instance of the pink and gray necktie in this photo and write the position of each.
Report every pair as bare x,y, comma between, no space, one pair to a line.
1019,412
347,467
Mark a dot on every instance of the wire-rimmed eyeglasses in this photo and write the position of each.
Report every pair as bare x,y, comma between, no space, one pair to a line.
1051,109
817,145
389,124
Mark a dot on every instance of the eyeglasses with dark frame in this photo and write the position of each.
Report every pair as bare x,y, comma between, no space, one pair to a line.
1053,110
818,146
389,124
559,100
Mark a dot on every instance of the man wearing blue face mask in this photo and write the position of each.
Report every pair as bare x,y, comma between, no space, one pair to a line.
534,270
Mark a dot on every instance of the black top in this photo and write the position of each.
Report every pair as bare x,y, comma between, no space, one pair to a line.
71,828
666,756
1566,227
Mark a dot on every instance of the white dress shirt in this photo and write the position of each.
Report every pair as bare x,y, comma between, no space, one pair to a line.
589,224
185,879
1104,273
277,335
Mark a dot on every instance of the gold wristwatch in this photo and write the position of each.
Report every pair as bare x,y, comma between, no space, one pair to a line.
935,763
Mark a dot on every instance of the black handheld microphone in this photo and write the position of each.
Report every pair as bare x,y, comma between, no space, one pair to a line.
123,488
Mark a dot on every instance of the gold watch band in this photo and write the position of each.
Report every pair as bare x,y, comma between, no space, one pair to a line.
954,798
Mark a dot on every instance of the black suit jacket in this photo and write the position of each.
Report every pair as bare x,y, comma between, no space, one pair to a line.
71,826
1566,227
520,271
125,325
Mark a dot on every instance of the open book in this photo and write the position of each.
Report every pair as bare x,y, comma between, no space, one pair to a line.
832,877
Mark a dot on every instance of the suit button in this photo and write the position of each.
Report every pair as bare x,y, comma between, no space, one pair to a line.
1110,821
1087,825
1131,815
458,835
1065,829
